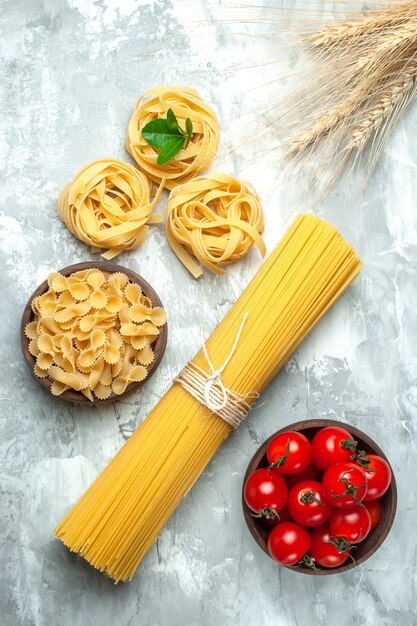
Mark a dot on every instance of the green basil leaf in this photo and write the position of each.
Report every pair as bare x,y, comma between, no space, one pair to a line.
189,129
171,147
156,132
173,123
166,136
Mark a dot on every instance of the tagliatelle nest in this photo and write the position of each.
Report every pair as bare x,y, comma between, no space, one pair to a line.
93,332
109,206
202,148
216,219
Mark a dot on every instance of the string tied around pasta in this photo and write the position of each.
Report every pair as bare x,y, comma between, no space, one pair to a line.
210,390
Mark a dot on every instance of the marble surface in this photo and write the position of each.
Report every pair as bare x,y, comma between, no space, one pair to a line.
71,71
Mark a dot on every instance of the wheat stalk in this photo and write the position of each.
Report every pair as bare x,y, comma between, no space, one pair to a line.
382,109
362,26
360,76
405,36
320,129
336,116
370,67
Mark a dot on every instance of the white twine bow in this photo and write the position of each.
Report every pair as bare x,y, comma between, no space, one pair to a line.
209,389
215,377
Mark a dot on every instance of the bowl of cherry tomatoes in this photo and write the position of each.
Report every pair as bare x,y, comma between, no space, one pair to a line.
319,497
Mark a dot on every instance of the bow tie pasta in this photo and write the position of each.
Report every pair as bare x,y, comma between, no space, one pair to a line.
93,332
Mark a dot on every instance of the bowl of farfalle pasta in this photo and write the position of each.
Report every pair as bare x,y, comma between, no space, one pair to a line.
93,332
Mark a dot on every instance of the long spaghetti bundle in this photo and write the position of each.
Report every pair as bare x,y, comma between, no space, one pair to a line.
119,516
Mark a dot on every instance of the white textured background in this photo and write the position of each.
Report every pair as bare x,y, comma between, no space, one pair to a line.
71,71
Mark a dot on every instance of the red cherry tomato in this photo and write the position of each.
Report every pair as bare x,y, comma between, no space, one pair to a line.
307,504
266,492
374,508
327,551
283,516
311,473
289,452
353,525
288,542
332,444
378,474
344,485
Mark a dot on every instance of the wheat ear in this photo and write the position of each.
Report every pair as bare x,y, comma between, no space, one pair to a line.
336,118
363,26
404,36
324,125
382,109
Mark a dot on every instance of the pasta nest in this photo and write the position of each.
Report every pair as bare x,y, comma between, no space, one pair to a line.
109,206
216,219
93,332
200,152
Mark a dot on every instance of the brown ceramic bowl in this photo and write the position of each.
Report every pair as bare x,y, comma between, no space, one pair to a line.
158,346
376,537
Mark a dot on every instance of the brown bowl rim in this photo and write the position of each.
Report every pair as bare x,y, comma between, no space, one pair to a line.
389,498
159,344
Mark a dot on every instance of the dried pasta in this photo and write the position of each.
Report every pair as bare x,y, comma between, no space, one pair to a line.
109,206
120,515
93,332
200,152
215,218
